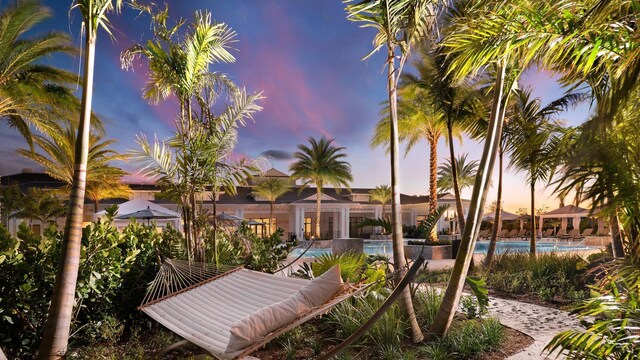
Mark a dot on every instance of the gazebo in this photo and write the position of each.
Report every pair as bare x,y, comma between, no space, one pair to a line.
564,213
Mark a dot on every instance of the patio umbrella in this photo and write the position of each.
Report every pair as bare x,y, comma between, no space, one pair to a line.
147,214
235,219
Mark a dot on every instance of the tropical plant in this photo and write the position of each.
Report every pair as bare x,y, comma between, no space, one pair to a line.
11,200
56,155
381,194
271,189
417,120
380,222
321,164
534,142
56,337
453,99
32,93
41,205
466,173
398,25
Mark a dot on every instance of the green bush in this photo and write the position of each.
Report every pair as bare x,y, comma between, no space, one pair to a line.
549,276
472,337
115,268
426,304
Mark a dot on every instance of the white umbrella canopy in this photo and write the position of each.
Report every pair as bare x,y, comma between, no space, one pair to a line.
134,205
147,214
224,217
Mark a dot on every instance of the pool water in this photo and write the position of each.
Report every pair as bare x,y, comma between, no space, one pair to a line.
385,247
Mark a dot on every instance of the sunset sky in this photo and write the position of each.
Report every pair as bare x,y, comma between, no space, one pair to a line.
306,58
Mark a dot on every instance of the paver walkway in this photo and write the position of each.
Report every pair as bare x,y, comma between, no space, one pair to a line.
539,322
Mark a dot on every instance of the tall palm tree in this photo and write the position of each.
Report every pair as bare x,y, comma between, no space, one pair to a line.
180,66
417,120
11,200
271,189
398,24
31,93
107,186
321,164
56,335
532,142
454,99
381,194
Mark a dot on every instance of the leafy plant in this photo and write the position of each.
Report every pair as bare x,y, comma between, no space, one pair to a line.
381,222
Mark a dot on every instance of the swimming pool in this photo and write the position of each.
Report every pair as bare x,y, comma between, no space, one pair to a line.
384,247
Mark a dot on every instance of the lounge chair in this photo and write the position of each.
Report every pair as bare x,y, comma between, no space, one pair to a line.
513,234
572,234
522,233
483,234
504,233
561,233
585,233
547,233
235,311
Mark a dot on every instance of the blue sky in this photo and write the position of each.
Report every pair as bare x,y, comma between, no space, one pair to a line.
305,57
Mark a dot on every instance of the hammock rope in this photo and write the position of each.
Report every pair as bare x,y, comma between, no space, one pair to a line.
176,276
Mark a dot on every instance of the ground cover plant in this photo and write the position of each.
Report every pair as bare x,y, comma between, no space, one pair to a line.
548,277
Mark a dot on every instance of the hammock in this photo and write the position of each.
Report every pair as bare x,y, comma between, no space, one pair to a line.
201,303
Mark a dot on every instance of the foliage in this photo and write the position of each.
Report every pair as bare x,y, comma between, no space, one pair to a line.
429,242
322,164
40,204
266,254
611,318
381,194
381,222
11,200
466,173
114,270
556,276
33,94
473,337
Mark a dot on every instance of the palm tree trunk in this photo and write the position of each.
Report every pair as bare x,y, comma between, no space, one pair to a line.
404,300
532,240
56,334
616,238
454,176
497,219
451,298
270,217
96,203
433,183
318,208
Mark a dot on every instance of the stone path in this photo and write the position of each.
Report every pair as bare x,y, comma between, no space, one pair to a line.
539,322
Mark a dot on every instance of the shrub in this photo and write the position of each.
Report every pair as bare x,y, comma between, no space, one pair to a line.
549,276
473,337
426,304
114,270
429,242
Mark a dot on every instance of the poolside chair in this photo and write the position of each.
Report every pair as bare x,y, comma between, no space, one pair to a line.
504,233
231,312
547,233
522,233
483,234
513,234
585,233
572,234
561,233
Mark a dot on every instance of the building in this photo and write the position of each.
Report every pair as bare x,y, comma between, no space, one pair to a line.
294,212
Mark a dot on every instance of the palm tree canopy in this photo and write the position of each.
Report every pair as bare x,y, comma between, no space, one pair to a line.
466,173
41,205
271,189
57,155
31,93
381,194
321,164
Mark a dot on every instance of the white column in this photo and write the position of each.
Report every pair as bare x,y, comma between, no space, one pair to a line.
576,222
300,218
563,223
344,223
377,214
413,214
540,223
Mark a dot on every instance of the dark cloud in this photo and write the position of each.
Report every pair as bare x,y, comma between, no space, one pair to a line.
278,154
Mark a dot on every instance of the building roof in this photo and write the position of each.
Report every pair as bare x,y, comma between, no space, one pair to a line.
567,211
273,172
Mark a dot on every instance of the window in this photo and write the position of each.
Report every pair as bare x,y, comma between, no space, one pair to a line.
354,230
307,228
268,227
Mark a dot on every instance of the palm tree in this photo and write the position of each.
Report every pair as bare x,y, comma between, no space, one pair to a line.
40,205
31,93
531,143
181,67
271,189
454,99
399,24
11,200
381,194
321,164
466,173
56,335
417,120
